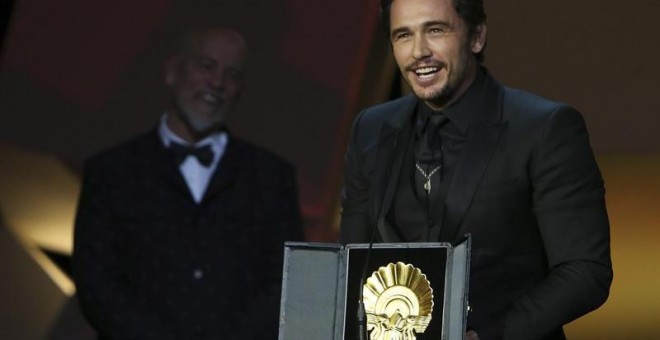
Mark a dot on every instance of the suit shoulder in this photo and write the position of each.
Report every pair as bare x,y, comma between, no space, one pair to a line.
516,100
124,153
368,124
388,110
532,113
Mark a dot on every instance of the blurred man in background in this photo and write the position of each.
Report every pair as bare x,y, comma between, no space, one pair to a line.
180,231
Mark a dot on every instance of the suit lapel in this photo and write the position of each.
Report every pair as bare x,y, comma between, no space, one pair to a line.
482,139
158,162
393,141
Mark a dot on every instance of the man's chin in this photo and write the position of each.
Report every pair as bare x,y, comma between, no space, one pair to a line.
428,94
205,126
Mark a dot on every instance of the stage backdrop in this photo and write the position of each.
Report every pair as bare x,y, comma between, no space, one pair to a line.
79,76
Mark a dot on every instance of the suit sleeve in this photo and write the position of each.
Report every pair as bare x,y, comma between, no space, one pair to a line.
104,297
280,221
569,205
354,225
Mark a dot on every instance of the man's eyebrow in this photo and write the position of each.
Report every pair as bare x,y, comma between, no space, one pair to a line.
399,30
427,24
442,23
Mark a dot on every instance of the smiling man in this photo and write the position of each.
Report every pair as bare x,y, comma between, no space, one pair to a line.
464,154
180,231
206,78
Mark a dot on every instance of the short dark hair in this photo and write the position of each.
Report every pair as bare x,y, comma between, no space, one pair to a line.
471,11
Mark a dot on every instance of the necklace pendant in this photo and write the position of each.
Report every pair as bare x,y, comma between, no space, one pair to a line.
427,186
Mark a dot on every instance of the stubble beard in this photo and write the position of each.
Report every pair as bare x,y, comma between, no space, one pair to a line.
439,95
446,93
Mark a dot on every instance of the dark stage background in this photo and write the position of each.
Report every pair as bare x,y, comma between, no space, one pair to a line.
78,76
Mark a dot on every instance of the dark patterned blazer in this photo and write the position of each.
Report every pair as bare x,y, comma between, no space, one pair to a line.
150,263
528,190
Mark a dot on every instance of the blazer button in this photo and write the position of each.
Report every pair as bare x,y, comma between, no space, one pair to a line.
198,274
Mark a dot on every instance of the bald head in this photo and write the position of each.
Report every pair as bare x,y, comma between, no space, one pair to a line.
221,37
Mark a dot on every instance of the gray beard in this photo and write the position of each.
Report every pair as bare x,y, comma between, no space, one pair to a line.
200,126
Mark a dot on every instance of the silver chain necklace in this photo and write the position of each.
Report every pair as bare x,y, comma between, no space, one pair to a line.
427,185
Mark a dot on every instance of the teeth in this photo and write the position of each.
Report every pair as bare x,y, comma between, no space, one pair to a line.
425,70
209,97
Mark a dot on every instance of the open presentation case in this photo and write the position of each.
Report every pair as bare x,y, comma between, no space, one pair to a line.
321,290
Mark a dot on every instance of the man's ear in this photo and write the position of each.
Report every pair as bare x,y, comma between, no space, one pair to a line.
479,38
170,69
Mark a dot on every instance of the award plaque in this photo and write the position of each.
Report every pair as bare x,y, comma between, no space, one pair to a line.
410,291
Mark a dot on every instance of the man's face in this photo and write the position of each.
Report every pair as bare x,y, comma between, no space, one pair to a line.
207,79
432,47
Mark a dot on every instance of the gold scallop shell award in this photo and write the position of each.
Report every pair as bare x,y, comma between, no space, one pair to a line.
398,301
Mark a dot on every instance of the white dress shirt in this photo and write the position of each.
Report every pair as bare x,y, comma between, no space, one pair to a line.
197,176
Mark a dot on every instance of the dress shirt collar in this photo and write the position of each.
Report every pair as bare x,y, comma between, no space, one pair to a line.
217,140
460,112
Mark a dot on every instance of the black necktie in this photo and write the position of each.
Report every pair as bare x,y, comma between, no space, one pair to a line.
204,153
433,139
428,156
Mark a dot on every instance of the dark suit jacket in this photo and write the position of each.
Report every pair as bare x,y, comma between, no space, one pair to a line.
150,263
528,190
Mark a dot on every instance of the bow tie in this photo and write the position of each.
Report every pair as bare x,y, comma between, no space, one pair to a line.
204,154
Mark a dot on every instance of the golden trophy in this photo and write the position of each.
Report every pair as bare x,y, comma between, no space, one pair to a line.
398,301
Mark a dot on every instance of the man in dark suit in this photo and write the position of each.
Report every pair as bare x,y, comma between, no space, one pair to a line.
467,155
180,231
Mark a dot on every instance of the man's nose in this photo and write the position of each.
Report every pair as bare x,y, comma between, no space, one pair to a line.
218,80
421,48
